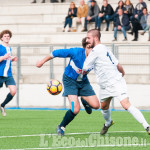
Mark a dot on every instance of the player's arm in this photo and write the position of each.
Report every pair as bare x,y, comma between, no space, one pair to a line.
116,62
6,56
43,61
120,69
63,53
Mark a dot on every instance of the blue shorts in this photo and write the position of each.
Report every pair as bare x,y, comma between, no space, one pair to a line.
79,88
7,81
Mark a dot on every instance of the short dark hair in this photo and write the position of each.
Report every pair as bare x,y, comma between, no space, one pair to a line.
84,43
95,33
144,8
6,32
93,1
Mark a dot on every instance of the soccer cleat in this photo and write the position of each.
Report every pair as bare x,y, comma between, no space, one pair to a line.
148,130
60,130
105,128
87,107
3,111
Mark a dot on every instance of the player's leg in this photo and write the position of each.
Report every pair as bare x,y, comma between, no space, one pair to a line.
106,113
92,101
135,113
10,83
88,96
70,114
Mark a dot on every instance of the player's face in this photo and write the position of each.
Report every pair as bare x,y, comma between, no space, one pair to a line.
6,38
90,40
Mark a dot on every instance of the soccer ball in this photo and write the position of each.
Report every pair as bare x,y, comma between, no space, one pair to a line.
54,87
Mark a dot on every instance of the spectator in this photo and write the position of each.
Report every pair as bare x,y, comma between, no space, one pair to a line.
92,15
144,17
129,8
105,14
72,12
43,1
138,10
145,22
120,6
122,24
81,14
135,20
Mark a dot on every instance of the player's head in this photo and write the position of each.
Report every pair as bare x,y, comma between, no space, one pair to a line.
93,37
5,36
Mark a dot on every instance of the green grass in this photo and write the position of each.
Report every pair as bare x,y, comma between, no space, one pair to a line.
32,122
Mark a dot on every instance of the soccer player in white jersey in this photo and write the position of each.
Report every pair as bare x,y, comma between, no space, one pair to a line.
110,79
5,68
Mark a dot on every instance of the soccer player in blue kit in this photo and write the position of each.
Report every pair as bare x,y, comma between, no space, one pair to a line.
5,68
75,83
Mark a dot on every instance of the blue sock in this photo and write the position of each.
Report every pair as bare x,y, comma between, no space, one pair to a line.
69,116
7,100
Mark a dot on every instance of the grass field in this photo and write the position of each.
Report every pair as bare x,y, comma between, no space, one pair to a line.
36,129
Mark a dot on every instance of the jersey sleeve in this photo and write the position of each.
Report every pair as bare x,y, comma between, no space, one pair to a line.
1,53
90,61
63,53
114,59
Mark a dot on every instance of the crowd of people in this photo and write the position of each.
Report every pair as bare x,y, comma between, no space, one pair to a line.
125,17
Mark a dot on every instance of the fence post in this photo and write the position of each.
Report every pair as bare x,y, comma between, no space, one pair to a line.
65,46
51,64
18,73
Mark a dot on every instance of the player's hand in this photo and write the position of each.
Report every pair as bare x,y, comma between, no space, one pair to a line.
39,64
14,58
7,56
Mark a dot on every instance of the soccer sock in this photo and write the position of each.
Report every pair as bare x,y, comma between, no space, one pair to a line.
7,100
138,116
107,116
69,116
84,102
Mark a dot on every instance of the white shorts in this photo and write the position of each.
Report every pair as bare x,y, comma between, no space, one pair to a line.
118,91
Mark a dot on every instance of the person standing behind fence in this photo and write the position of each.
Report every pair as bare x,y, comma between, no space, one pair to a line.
5,68
81,14
72,12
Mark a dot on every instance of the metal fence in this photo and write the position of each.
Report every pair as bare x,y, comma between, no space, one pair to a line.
134,58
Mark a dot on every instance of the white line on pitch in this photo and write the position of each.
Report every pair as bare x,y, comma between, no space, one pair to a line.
127,145
82,133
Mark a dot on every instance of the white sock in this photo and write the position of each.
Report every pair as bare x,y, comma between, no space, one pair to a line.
138,116
107,116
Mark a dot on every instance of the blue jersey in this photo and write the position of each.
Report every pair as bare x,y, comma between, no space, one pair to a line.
77,58
5,65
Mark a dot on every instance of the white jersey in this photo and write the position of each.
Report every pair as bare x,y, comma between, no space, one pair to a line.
105,65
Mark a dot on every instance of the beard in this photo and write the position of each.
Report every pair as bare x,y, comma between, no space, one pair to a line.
92,45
